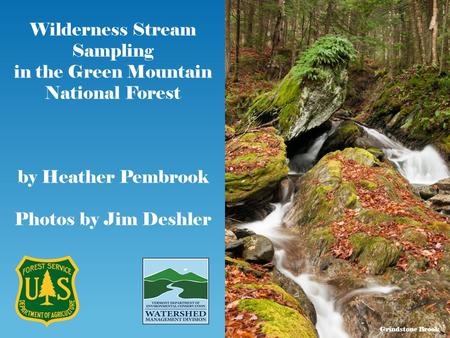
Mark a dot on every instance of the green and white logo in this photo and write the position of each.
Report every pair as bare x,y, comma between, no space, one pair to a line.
175,291
47,291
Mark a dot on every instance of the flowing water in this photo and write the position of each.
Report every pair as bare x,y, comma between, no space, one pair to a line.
304,161
329,320
421,167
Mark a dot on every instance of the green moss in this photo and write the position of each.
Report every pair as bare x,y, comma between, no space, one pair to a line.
244,185
276,288
408,221
377,152
327,56
358,242
321,239
279,321
374,253
372,216
414,107
347,195
414,236
361,156
369,185
229,131
439,227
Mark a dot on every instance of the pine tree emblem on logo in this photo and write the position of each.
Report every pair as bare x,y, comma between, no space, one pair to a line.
47,292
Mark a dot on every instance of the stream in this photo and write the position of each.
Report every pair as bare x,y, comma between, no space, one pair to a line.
422,167
419,167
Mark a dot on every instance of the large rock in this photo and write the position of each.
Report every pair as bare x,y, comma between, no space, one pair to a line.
441,203
443,185
310,93
258,249
255,162
358,223
297,292
346,135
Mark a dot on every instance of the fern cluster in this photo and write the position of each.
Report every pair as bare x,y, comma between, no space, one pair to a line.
328,51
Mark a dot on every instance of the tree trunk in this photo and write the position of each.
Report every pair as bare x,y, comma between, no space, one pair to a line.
434,34
444,44
238,38
330,9
227,36
261,39
419,23
276,36
249,31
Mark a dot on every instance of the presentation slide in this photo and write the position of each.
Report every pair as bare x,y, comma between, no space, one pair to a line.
225,169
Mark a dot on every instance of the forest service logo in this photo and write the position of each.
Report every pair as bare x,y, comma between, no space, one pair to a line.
47,291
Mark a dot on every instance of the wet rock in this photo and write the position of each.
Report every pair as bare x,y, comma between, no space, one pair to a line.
376,254
229,236
285,190
346,135
258,249
235,247
255,163
310,93
243,232
297,292
440,203
425,191
443,186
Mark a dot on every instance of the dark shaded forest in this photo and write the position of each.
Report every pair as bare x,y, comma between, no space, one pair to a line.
395,34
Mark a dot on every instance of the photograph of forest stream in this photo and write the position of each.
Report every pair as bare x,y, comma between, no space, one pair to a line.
337,179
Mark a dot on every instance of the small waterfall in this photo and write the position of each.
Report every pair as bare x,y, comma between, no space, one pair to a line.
421,167
304,161
329,321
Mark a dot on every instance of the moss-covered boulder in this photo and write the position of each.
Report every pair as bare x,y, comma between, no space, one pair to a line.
257,306
346,135
254,164
360,226
310,93
374,253
279,321
351,205
415,107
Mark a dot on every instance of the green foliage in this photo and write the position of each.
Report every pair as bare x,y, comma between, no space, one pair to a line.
328,51
414,107
440,119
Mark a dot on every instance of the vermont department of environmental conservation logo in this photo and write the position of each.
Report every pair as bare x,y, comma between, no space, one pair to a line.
47,291
175,291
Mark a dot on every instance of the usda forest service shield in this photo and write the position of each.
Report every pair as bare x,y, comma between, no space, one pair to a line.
47,291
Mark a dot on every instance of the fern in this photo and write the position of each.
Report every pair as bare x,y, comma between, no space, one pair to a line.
328,51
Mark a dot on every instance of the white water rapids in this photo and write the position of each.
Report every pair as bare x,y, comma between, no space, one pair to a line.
329,321
421,167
